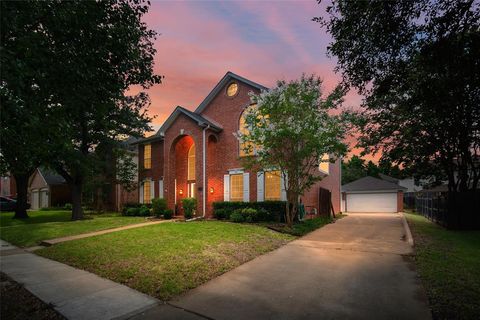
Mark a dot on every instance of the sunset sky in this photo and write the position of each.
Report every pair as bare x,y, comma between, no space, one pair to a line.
199,41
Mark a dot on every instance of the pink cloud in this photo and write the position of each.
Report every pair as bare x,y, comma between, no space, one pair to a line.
197,45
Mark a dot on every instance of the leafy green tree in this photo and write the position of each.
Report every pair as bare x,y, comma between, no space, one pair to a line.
417,63
353,169
290,129
28,109
102,49
372,169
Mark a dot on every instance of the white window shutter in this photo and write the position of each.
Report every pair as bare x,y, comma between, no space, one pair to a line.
141,193
260,186
160,189
283,191
246,187
152,189
226,187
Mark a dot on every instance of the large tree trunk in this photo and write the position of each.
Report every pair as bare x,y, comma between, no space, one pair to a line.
21,181
77,211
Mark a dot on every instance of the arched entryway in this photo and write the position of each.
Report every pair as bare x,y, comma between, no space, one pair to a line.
183,159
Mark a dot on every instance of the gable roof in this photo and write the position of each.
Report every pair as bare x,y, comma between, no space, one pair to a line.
51,177
200,120
371,184
229,76
388,178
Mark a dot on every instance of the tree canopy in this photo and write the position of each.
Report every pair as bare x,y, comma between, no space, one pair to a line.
356,168
417,63
91,53
290,129
28,108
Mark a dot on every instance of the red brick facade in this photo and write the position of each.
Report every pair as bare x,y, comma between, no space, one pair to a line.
215,120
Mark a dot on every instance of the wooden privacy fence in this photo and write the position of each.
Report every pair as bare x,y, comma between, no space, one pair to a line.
325,206
453,210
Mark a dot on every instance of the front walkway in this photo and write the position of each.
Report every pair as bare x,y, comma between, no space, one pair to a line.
75,293
51,242
355,268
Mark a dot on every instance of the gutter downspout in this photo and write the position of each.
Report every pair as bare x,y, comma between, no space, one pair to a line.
204,188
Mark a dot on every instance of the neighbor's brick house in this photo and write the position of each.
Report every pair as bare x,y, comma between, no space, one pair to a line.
197,154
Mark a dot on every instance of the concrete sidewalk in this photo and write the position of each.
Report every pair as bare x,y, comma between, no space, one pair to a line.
355,268
75,293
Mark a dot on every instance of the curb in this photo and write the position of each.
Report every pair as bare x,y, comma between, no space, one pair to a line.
408,233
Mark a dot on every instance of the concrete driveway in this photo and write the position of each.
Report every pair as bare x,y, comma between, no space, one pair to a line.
352,269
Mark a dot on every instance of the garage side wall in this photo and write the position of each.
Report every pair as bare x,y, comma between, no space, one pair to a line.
400,201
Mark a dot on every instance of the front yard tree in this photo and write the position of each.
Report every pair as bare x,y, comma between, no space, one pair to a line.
417,63
27,107
102,49
290,130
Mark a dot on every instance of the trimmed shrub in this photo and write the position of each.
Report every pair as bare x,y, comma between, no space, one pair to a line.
159,206
167,214
263,215
250,214
267,210
237,216
67,206
189,205
132,212
221,214
144,211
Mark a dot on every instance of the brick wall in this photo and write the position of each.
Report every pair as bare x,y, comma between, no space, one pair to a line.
399,201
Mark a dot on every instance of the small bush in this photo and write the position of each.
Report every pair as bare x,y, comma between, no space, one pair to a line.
167,214
67,206
159,206
144,211
189,205
221,214
237,216
129,205
132,212
250,214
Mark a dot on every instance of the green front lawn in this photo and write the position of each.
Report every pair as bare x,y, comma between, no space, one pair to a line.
448,263
44,225
167,259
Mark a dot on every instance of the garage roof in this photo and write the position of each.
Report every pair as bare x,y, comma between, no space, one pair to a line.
371,184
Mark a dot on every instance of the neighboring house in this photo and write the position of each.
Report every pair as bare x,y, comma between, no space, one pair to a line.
47,189
369,194
196,154
121,196
8,188
408,183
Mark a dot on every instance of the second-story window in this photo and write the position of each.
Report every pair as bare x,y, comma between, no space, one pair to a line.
147,156
246,148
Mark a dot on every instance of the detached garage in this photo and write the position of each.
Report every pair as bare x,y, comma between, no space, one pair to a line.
369,194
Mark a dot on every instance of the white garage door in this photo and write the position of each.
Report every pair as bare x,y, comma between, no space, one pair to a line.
34,201
372,202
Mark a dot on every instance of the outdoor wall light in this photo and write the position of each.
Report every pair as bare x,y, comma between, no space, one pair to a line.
211,189
181,191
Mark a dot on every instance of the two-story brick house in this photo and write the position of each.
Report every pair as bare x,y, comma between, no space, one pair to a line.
196,154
